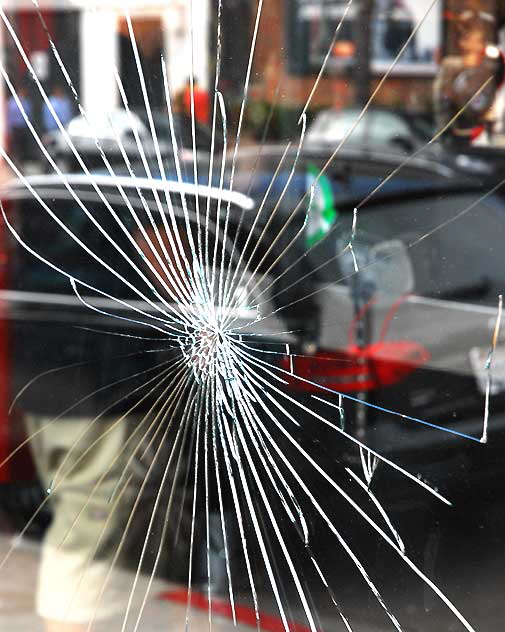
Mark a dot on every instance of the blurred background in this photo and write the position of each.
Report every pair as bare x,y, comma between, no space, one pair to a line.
295,38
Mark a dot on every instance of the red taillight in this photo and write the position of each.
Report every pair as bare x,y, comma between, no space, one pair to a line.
354,369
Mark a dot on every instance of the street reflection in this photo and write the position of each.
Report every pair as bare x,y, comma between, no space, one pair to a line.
252,371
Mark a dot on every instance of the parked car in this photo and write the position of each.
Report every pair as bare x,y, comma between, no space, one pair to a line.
428,314
106,126
397,130
353,170
402,345
410,339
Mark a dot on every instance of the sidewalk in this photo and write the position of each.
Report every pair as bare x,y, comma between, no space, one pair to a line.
18,583
165,610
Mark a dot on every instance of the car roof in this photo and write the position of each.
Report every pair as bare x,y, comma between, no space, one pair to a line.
399,111
20,187
433,162
447,178
455,186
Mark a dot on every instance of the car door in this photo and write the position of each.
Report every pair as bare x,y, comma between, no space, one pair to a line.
447,316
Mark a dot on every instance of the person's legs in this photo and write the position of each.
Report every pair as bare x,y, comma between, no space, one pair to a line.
81,461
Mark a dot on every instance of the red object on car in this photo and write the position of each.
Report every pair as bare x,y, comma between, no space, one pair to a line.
356,369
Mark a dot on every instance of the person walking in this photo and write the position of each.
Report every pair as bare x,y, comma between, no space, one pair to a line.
62,107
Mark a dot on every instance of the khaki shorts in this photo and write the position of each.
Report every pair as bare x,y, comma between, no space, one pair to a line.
82,461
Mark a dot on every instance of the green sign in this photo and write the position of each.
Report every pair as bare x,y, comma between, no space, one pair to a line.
322,214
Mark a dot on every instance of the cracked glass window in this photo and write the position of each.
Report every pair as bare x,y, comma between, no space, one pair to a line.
252,372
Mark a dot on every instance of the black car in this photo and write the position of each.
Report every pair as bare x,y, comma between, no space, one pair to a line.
372,357
415,323
403,320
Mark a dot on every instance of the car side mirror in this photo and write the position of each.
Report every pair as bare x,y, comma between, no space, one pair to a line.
392,266
384,266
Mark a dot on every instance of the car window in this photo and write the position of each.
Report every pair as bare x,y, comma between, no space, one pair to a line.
53,243
385,127
334,125
445,263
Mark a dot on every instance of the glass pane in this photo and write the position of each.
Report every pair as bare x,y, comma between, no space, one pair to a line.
252,369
